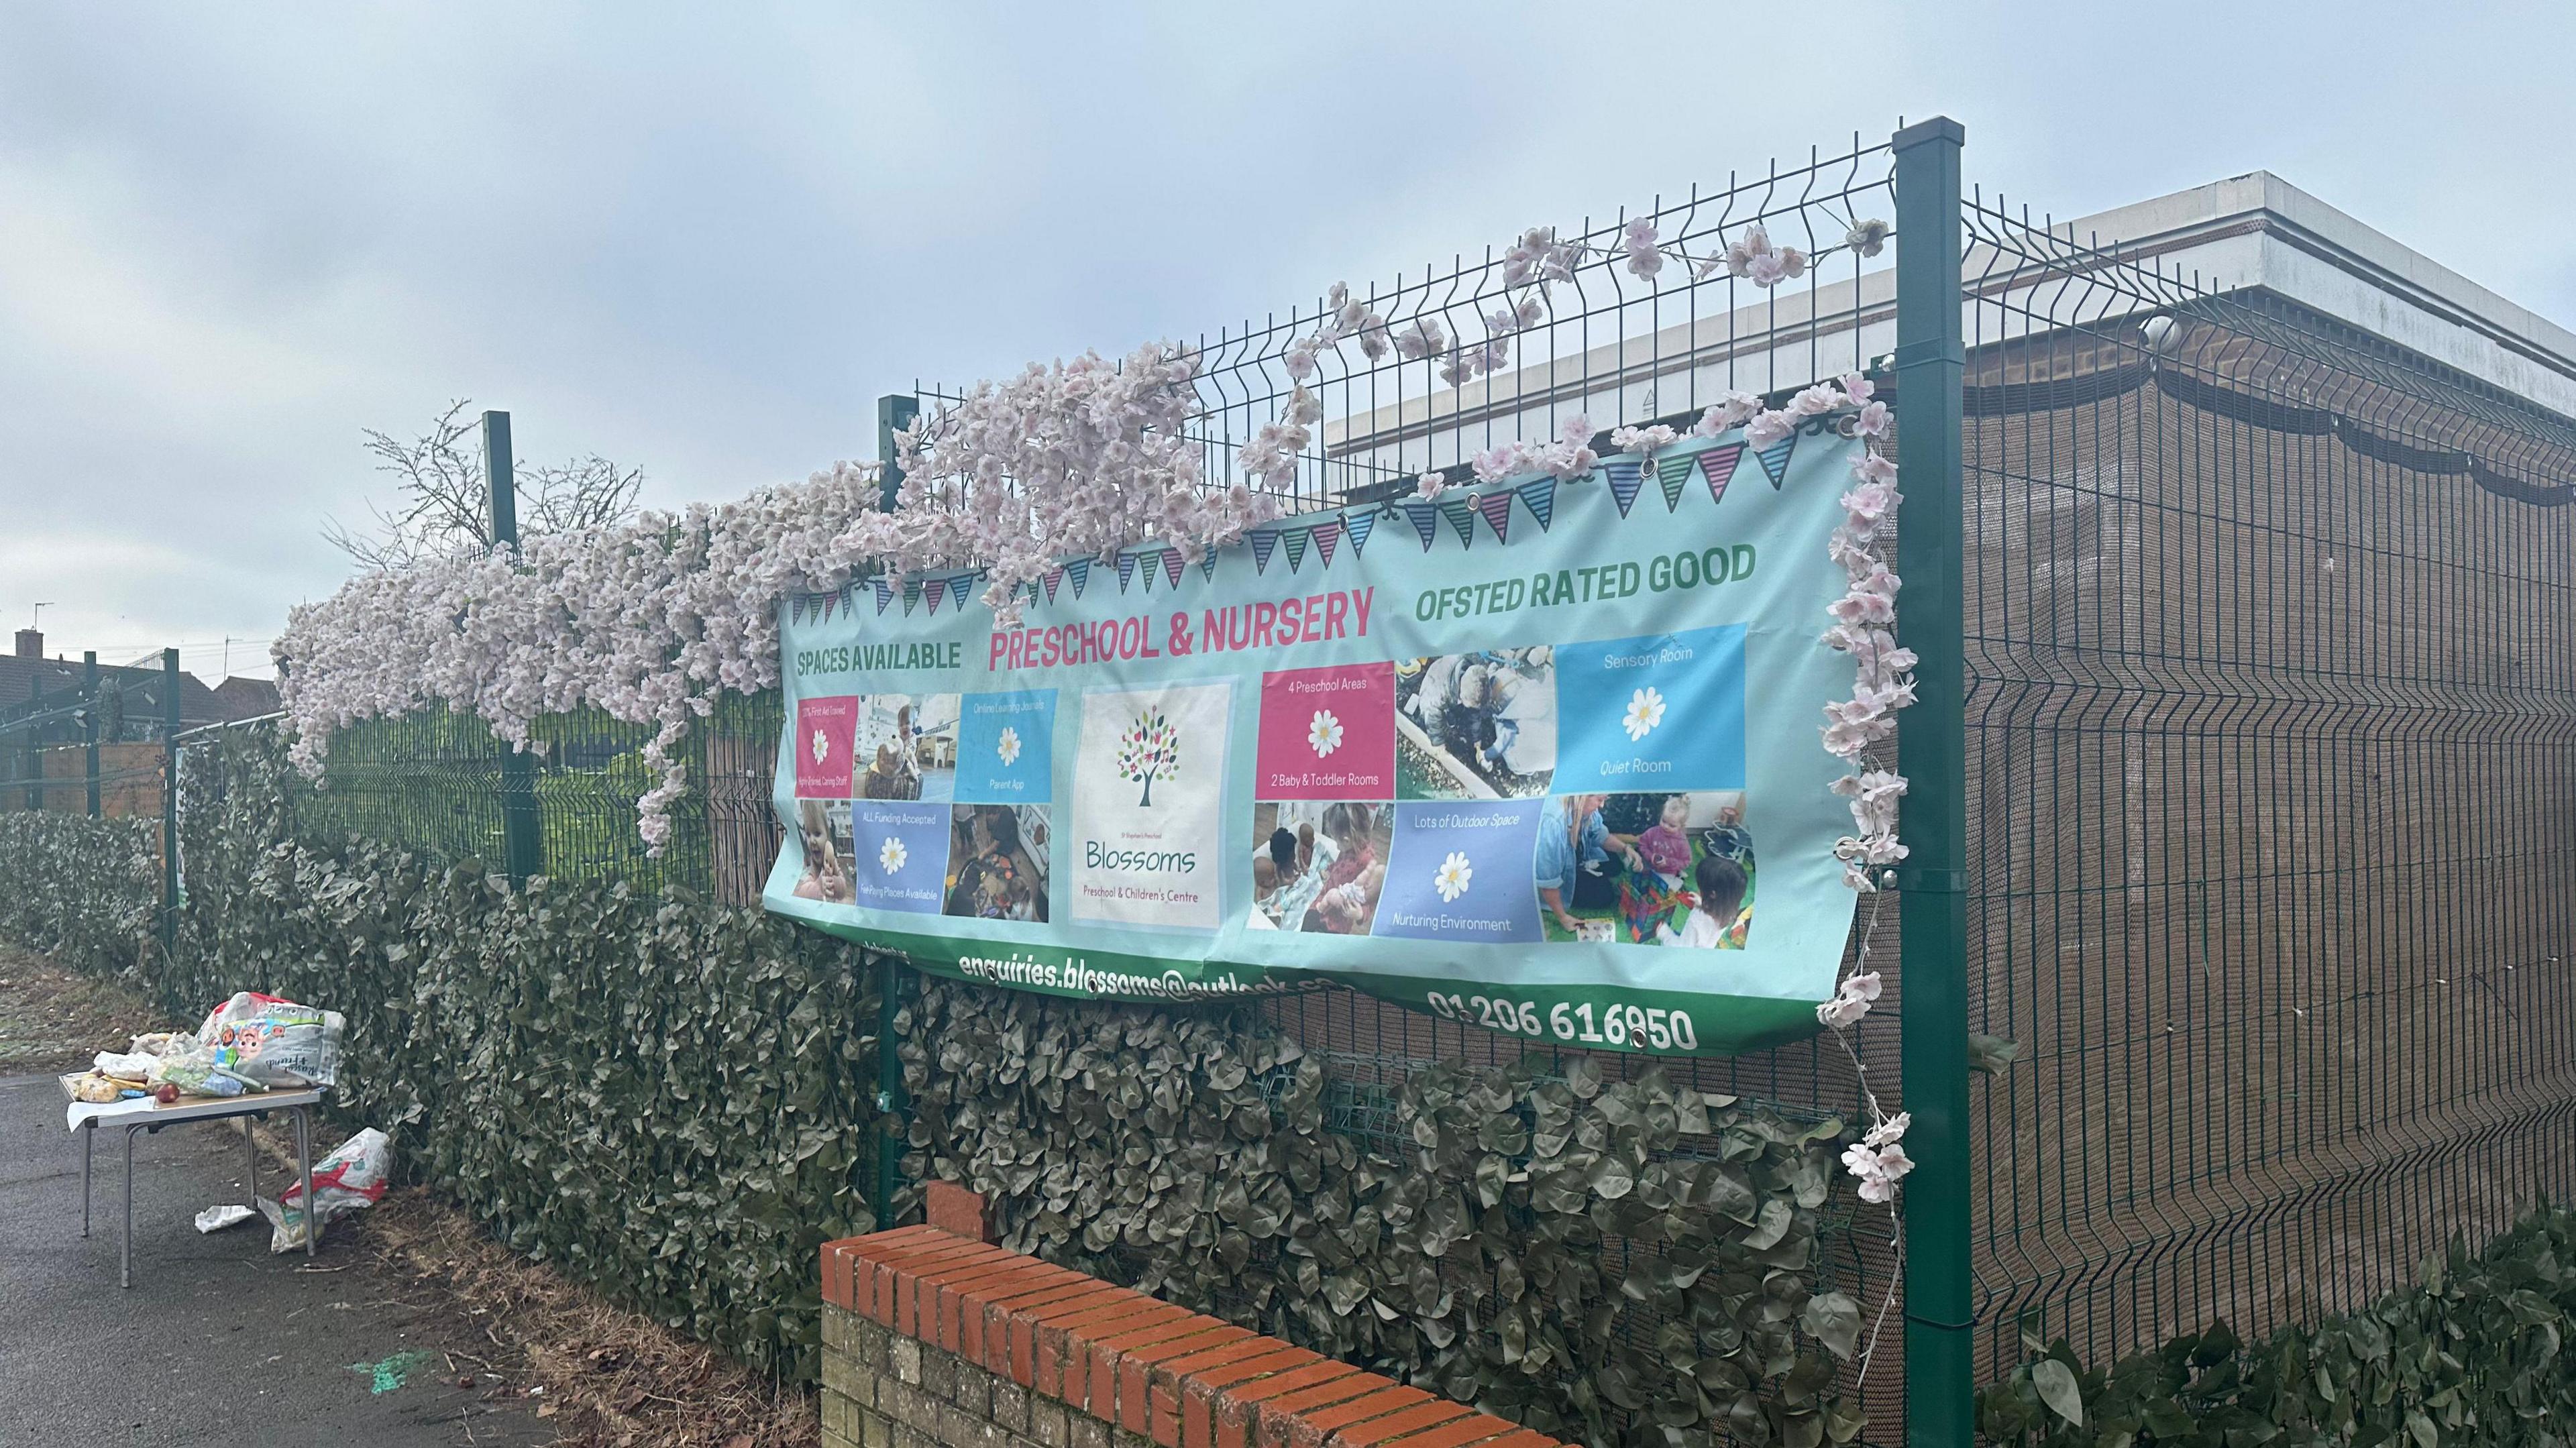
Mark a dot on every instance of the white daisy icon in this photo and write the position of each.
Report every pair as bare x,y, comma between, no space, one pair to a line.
822,746
1645,711
1452,877
1324,732
1008,746
892,854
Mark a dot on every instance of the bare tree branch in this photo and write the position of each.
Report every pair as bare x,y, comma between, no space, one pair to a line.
441,505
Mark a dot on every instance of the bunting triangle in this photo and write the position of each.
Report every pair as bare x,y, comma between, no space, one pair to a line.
1425,518
1625,479
1296,539
1359,526
1717,465
1673,474
1775,459
1126,570
1172,561
911,595
1054,579
1207,564
1497,508
1462,516
796,608
885,593
1541,498
1080,570
937,590
1263,541
957,588
1326,535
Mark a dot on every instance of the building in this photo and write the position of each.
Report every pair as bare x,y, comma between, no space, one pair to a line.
44,764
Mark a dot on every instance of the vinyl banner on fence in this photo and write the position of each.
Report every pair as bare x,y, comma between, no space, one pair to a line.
1540,757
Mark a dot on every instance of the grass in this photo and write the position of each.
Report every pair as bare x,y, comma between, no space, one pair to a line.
54,1020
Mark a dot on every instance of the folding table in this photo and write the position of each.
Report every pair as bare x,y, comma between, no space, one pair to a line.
145,1114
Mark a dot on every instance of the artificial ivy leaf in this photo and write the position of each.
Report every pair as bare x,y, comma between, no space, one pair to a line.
1611,1178
1834,1320
2056,1384
1989,1055
1583,1077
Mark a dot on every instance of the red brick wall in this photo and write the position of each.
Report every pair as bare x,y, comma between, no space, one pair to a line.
936,1340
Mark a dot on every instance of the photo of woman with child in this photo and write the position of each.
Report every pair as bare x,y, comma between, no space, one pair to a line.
1646,869
1318,866
997,858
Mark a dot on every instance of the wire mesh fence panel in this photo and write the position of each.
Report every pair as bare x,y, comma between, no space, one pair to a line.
435,783
2271,784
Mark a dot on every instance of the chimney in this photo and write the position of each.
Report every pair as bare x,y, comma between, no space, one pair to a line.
31,644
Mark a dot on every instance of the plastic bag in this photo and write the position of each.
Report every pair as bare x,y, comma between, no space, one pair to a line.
275,1040
350,1179
136,1066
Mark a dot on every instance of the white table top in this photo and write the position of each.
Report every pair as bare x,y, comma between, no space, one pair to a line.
186,1108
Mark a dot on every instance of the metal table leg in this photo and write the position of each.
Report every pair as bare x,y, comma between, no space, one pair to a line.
304,1159
89,1134
125,1240
250,1163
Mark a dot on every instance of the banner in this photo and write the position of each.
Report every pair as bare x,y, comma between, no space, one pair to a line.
1540,757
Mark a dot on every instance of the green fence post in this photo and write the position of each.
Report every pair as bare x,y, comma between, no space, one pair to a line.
36,739
89,724
895,412
169,801
1931,751
522,841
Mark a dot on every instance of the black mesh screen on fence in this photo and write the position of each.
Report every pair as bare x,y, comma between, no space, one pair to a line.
2271,802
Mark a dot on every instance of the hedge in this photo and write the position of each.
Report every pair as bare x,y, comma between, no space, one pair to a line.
86,892
674,1100
2474,1352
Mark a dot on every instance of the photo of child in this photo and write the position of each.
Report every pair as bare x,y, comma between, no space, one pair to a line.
997,862
1318,866
1646,869
1476,726
905,747
823,829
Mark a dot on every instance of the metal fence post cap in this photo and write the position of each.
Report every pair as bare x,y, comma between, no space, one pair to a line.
1939,128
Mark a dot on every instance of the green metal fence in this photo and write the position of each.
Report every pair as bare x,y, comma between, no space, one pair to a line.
440,783
2244,780
2271,767
105,746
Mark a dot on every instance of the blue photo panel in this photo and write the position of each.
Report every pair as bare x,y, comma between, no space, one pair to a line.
1663,712
899,854
1460,870
1006,748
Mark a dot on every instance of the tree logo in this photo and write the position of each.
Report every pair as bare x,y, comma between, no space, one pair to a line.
1148,751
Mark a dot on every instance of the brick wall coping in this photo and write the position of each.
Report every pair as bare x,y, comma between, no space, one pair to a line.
1136,1363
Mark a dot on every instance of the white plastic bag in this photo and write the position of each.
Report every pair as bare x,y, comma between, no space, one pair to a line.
350,1179
274,1040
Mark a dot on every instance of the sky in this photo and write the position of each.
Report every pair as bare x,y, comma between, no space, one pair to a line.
703,240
